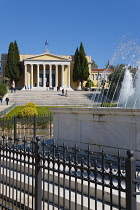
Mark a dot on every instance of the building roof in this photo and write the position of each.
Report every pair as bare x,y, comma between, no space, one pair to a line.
101,70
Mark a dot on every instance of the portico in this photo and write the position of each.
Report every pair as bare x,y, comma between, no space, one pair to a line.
47,71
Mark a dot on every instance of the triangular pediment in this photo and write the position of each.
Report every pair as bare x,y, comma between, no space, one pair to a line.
47,56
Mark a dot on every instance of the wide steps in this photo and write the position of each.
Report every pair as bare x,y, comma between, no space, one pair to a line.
74,98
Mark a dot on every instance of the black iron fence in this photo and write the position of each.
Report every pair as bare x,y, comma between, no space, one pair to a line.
17,129
41,175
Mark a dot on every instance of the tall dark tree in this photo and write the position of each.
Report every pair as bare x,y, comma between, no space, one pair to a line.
81,69
115,81
13,67
76,66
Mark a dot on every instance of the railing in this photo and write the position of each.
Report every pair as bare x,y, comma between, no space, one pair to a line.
41,176
5,111
15,128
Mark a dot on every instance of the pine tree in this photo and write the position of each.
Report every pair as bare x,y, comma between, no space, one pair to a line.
13,67
81,69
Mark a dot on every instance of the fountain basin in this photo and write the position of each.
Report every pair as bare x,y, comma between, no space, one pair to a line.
111,129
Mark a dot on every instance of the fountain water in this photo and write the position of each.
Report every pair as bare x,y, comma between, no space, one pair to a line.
130,91
127,91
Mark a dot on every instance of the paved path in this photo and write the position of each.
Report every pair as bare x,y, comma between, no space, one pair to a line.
3,107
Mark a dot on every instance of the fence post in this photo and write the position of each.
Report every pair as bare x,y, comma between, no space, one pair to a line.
15,128
38,177
34,127
130,164
50,124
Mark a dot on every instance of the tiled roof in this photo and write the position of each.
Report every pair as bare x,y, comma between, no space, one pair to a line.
101,70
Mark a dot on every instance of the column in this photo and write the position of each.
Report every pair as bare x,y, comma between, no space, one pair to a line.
62,76
68,75
44,83
25,76
31,83
56,76
38,75
50,75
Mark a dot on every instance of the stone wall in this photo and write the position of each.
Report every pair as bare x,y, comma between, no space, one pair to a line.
111,129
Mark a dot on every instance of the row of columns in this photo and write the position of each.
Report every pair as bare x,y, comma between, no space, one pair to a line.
44,75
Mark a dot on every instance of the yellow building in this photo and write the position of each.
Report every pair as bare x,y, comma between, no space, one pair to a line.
46,71
100,75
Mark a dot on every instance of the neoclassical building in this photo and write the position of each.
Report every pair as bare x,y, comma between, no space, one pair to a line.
46,71
97,75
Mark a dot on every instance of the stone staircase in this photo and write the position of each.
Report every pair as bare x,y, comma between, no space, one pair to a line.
46,98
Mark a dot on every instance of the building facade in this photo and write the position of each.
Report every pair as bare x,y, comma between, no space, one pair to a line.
98,76
46,71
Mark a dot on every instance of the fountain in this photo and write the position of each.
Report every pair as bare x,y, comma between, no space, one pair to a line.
108,128
127,91
127,53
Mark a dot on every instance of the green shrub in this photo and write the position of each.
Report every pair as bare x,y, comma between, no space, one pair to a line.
89,84
43,124
3,89
27,112
109,105
30,104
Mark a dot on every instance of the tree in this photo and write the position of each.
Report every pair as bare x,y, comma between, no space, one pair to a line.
89,84
3,89
94,65
115,81
76,68
81,69
13,66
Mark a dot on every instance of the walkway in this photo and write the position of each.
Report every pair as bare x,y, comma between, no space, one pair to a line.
3,107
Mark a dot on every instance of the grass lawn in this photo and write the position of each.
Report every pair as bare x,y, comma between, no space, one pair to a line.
41,110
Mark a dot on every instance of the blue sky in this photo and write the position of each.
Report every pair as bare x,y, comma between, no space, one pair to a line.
100,25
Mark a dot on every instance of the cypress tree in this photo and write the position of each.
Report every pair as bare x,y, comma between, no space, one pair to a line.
76,68
81,69
83,65
13,67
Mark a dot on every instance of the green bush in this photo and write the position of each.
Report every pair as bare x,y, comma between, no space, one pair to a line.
89,84
109,105
27,112
3,89
30,104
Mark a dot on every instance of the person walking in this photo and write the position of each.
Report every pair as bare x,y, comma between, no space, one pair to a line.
62,92
7,100
1,100
66,94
